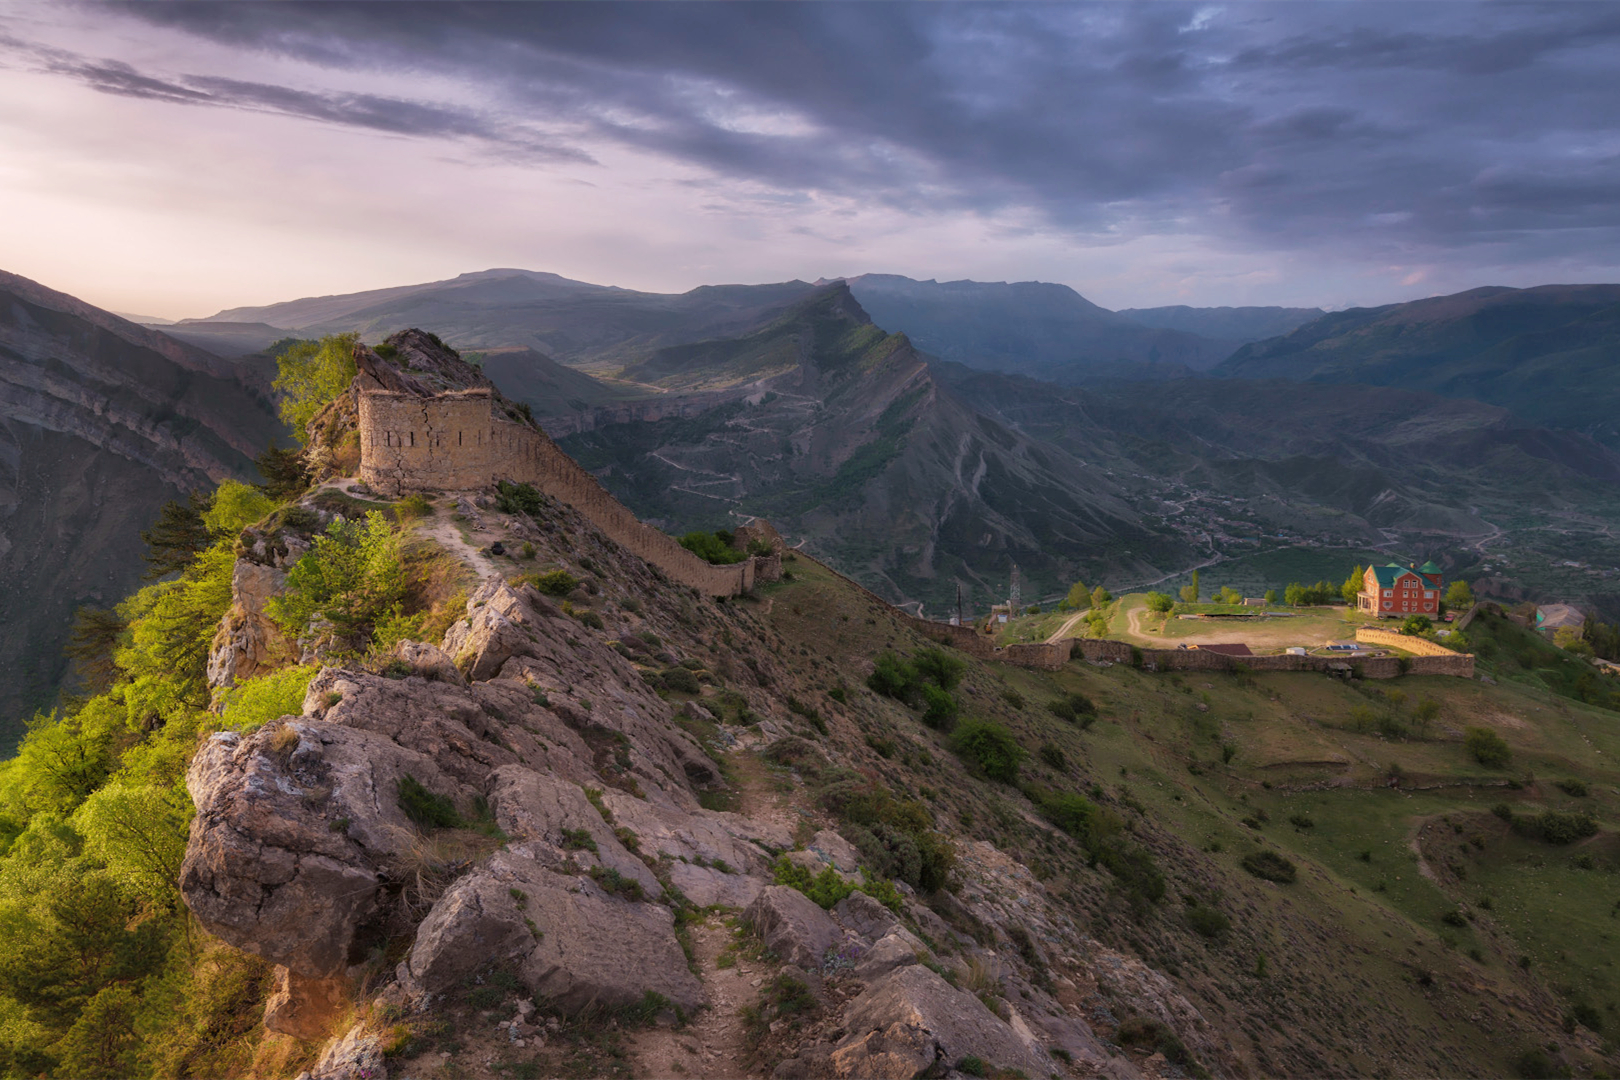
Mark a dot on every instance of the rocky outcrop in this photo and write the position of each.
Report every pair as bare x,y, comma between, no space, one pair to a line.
247,642
356,1056
912,1022
304,1007
568,940
792,926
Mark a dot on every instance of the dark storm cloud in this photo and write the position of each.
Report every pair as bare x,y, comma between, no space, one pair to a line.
1302,125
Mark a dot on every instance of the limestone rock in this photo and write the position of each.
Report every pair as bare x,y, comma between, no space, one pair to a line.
834,849
895,949
356,1056
247,642
864,915
792,926
294,826
706,887
694,834
591,948
428,661
912,1020
303,1007
542,811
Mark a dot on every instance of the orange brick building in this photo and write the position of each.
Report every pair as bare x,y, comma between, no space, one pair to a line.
1396,591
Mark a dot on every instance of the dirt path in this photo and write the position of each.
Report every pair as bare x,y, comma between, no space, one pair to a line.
1068,624
443,529
714,1043
1414,842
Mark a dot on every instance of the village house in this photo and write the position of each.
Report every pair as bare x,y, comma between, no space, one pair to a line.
1396,591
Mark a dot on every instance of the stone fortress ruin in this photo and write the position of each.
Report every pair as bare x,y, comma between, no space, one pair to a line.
421,427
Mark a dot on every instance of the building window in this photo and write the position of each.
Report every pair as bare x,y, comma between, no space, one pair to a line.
1389,592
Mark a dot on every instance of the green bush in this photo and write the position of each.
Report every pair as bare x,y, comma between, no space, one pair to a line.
1487,747
938,667
1160,602
252,703
553,582
1207,921
680,679
1270,866
1053,756
513,498
1559,828
424,807
713,547
1074,707
892,677
866,810
989,746
1574,787
825,888
353,577
939,708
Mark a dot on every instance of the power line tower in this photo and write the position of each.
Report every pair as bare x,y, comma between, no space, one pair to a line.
1013,593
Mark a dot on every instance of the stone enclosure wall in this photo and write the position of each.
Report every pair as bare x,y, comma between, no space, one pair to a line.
1368,636
456,441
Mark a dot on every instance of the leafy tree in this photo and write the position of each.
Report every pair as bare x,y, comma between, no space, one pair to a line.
139,833
1160,602
1417,624
252,703
939,667
1230,596
1079,597
1352,585
1294,595
234,507
177,536
309,375
1271,596
1101,597
939,708
1189,591
1459,596
1572,639
91,646
711,547
1487,747
351,577
171,628
284,472
990,746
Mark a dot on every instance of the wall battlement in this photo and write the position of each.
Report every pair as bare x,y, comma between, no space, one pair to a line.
458,441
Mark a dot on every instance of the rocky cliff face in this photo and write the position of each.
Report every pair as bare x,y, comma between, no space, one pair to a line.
101,421
575,848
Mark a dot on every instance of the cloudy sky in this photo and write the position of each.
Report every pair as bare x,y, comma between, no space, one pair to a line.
176,159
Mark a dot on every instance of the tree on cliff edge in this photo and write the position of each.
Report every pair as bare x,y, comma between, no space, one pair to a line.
310,374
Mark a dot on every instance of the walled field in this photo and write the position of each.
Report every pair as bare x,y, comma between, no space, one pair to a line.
1312,627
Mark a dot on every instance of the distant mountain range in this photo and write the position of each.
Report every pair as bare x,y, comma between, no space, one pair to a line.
1551,354
101,421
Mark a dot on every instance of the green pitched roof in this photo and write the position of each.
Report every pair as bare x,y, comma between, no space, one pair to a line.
1388,575
1429,568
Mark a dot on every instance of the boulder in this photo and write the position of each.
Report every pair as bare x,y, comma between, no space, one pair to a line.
707,887
428,661
792,926
698,834
894,950
356,1056
295,827
912,1020
565,938
303,1007
865,916
834,849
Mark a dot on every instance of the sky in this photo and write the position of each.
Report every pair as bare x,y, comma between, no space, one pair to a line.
175,159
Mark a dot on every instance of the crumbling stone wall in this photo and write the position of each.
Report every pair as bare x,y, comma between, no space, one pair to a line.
457,441
1405,642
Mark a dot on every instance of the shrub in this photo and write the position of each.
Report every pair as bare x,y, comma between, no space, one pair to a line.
616,884
938,667
1074,707
825,888
713,548
553,582
989,746
578,840
939,708
1558,828
252,703
412,507
1487,747
1300,821
1270,866
1052,754
513,498
1160,602
1574,787
680,679
352,576
424,807
892,677
1207,921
